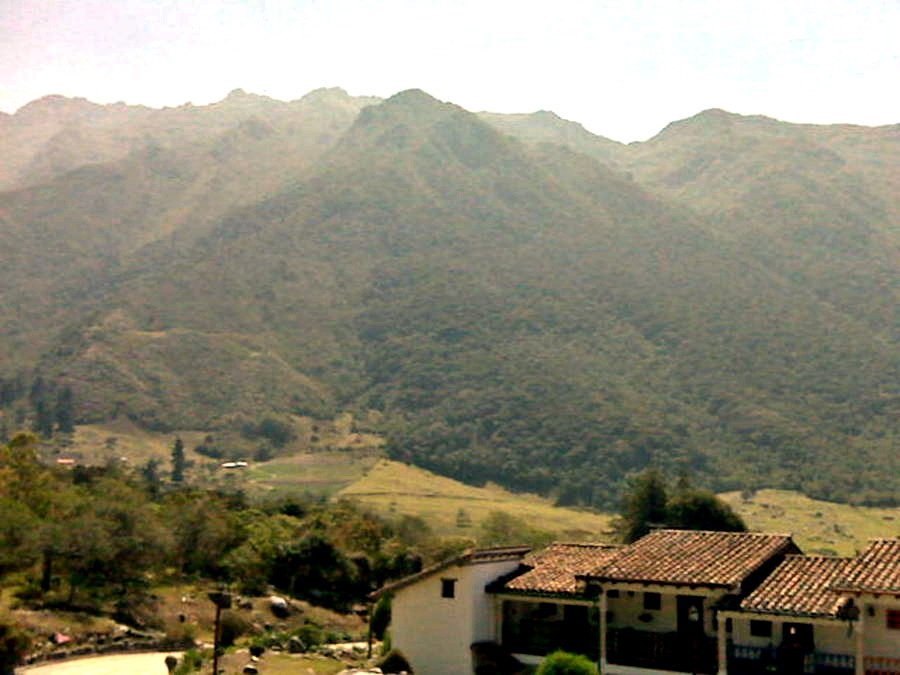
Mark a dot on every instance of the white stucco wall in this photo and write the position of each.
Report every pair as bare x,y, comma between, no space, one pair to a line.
829,637
630,605
436,633
880,640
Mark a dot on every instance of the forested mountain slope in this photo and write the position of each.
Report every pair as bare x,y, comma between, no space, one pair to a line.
518,307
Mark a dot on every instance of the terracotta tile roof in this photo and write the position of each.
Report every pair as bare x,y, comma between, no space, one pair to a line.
693,557
553,570
876,570
801,585
468,557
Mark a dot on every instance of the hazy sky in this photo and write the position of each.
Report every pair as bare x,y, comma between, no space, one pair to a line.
622,68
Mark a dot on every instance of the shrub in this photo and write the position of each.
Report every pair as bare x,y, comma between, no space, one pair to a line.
565,663
231,627
14,644
310,634
191,662
395,662
381,617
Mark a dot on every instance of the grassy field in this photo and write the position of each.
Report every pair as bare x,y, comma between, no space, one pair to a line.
98,443
817,526
319,474
450,507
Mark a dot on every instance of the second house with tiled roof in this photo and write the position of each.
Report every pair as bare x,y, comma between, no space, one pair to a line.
661,594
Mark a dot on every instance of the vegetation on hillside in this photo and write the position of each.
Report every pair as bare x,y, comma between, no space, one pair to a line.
103,540
516,309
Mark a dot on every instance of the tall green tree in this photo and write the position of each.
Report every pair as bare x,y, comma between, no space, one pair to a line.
702,510
644,505
179,461
647,504
64,411
43,418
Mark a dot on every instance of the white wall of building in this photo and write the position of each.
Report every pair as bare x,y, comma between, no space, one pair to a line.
830,637
434,633
628,607
879,640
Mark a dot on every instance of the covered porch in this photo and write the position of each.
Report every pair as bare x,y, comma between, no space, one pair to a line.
671,651
537,627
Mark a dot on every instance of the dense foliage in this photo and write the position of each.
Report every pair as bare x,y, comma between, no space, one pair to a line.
647,505
91,538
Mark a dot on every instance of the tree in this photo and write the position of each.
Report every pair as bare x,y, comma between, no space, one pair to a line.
647,505
702,510
178,460
64,411
205,531
111,541
150,475
381,616
643,506
43,418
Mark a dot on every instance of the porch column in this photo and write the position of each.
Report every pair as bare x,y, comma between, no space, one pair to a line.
722,643
604,604
860,666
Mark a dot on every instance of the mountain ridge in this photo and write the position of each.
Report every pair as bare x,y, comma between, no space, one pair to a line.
520,308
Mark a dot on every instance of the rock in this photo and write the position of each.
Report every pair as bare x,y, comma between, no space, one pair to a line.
295,645
279,607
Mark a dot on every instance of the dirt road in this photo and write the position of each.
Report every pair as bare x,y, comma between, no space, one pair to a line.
132,664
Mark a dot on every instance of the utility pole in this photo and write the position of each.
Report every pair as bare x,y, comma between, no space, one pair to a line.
222,601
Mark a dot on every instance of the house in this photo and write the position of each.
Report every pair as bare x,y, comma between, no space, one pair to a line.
794,621
818,614
439,612
873,583
675,601
659,597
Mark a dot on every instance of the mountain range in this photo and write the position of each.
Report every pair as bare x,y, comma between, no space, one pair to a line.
521,300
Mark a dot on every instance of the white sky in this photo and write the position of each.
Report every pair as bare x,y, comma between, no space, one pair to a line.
623,68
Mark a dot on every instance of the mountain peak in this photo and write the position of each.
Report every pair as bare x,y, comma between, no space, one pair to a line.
242,97
715,121
548,115
413,97
326,93
56,104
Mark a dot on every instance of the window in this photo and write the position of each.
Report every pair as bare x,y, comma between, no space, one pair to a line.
652,601
448,588
760,628
893,619
612,593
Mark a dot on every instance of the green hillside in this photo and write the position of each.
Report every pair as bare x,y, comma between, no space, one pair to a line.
515,310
